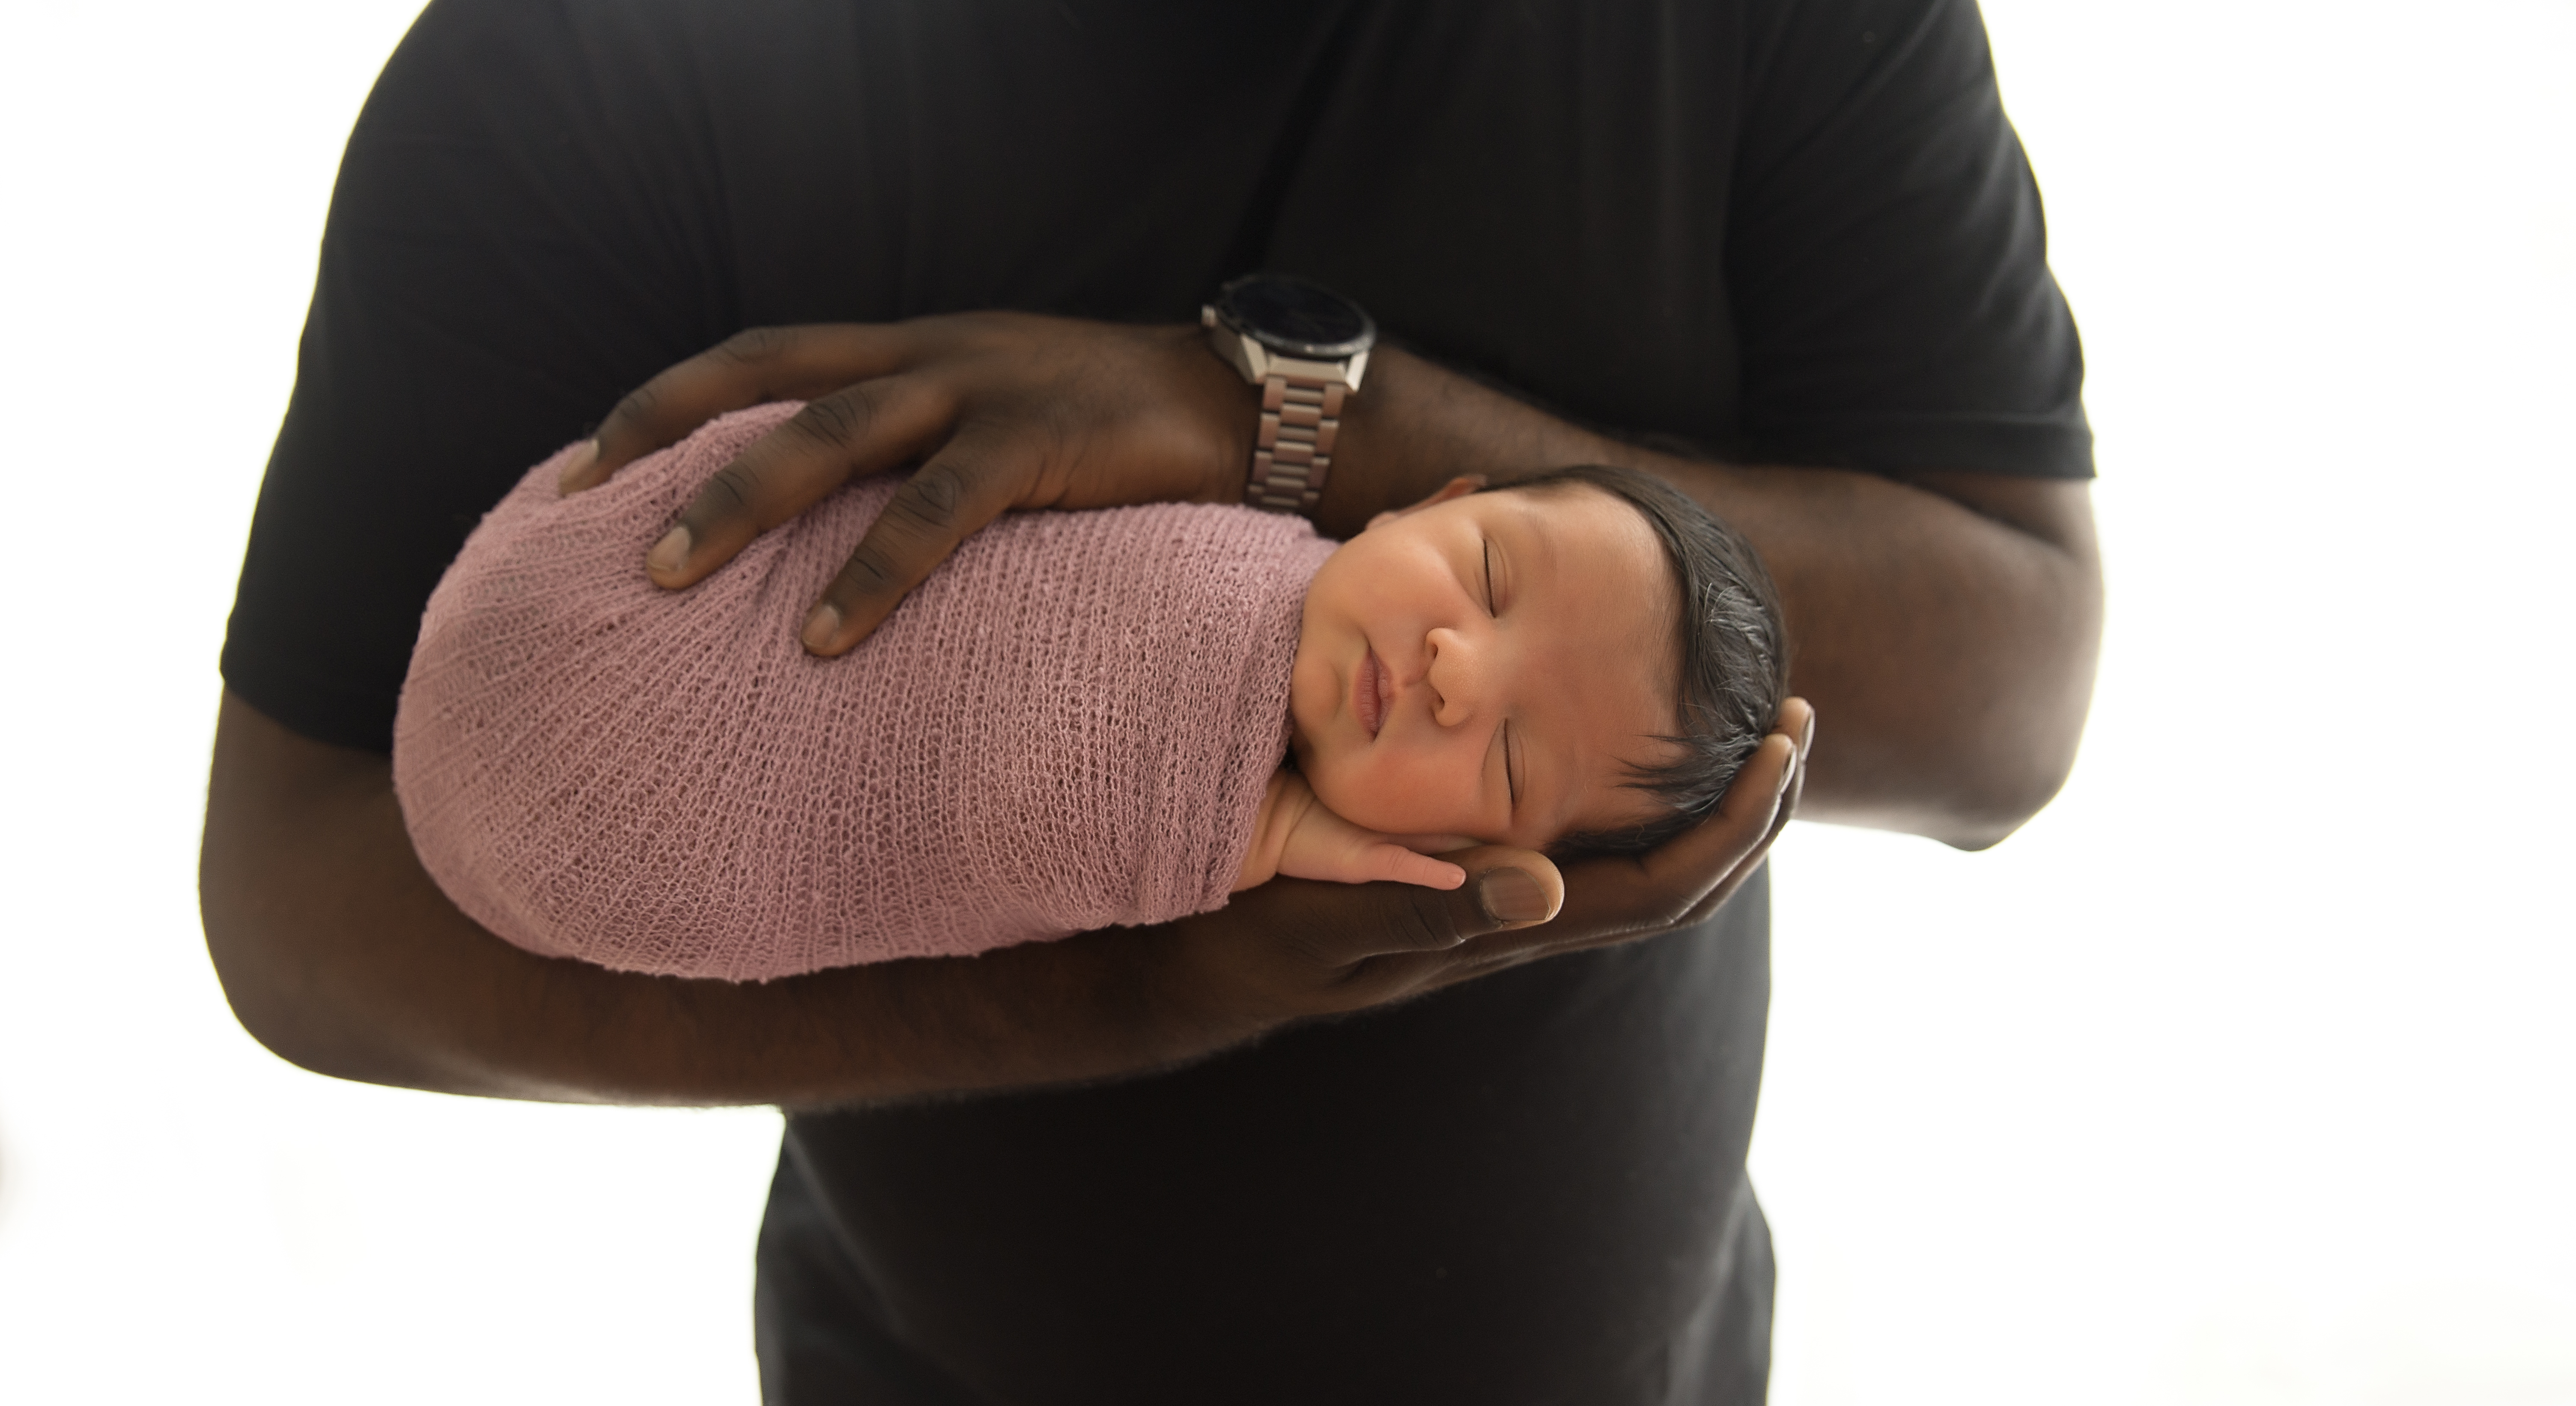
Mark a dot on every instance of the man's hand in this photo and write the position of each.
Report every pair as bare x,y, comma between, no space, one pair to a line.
1595,902
339,953
1001,411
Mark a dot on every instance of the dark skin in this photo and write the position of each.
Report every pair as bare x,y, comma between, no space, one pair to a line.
1949,625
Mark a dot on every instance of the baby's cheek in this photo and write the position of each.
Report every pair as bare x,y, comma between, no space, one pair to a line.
1375,795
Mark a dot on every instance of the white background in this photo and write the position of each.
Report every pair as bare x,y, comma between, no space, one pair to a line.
2242,1075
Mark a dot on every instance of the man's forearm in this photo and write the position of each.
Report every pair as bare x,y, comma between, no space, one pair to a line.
340,953
1945,629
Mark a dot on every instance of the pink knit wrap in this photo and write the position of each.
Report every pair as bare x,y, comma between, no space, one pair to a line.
1068,726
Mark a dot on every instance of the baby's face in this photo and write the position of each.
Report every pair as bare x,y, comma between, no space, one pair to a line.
1486,666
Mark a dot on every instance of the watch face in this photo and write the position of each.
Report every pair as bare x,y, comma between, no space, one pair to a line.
1297,317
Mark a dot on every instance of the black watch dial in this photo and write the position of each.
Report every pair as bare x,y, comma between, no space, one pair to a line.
1300,318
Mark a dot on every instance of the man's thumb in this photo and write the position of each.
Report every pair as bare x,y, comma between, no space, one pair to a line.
1505,888
1513,888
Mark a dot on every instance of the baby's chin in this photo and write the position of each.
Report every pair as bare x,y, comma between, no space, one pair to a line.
1333,785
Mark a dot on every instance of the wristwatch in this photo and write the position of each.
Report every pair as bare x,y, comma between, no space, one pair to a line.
1306,346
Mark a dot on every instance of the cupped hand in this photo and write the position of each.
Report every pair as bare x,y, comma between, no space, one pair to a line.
1614,898
1294,948
1000,411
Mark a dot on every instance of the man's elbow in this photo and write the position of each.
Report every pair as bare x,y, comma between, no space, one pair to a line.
2004,801
1968,774
2000,725
2019,757
1969,808
271,956
256,984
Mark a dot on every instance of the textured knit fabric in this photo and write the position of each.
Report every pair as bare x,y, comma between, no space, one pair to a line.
1069,726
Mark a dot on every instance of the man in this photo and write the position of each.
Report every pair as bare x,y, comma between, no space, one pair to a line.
1753,234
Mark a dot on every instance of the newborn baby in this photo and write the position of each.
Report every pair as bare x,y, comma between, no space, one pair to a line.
1079,721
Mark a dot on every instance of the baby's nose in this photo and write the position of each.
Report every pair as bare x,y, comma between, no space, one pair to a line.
1456,677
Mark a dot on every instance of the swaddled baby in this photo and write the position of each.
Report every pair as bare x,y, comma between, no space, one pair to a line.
1080,720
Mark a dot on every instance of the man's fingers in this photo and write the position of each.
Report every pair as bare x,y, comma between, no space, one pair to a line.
1345,925
1515,894
864,429
1614,899
1743,815
1659,889
749,368
1506,888
1516,907
967,484
1802,725
1725,848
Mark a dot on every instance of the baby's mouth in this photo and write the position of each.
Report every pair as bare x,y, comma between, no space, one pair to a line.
1368,694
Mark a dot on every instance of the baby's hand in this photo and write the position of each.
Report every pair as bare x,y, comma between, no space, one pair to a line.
1298,837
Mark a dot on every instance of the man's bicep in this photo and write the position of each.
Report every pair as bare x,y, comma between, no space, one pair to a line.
2056,512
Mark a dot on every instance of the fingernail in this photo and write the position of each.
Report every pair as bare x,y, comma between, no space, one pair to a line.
577,466
669,554
1510,896
823,623
1789,773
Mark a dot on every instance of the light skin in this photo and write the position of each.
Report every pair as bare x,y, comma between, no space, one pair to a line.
1473,668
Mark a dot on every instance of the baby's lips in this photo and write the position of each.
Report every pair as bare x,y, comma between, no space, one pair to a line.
1368,694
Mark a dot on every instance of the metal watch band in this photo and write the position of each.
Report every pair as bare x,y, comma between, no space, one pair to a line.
1299,419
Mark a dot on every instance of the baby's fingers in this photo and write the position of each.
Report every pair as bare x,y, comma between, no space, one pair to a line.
1392,863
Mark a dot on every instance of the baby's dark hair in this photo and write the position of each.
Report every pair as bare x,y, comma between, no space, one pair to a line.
1734,654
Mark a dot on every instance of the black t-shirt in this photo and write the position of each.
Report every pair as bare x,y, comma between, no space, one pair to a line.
1788,231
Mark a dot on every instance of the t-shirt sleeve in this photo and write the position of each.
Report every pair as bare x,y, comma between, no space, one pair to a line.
513,243
1887,253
